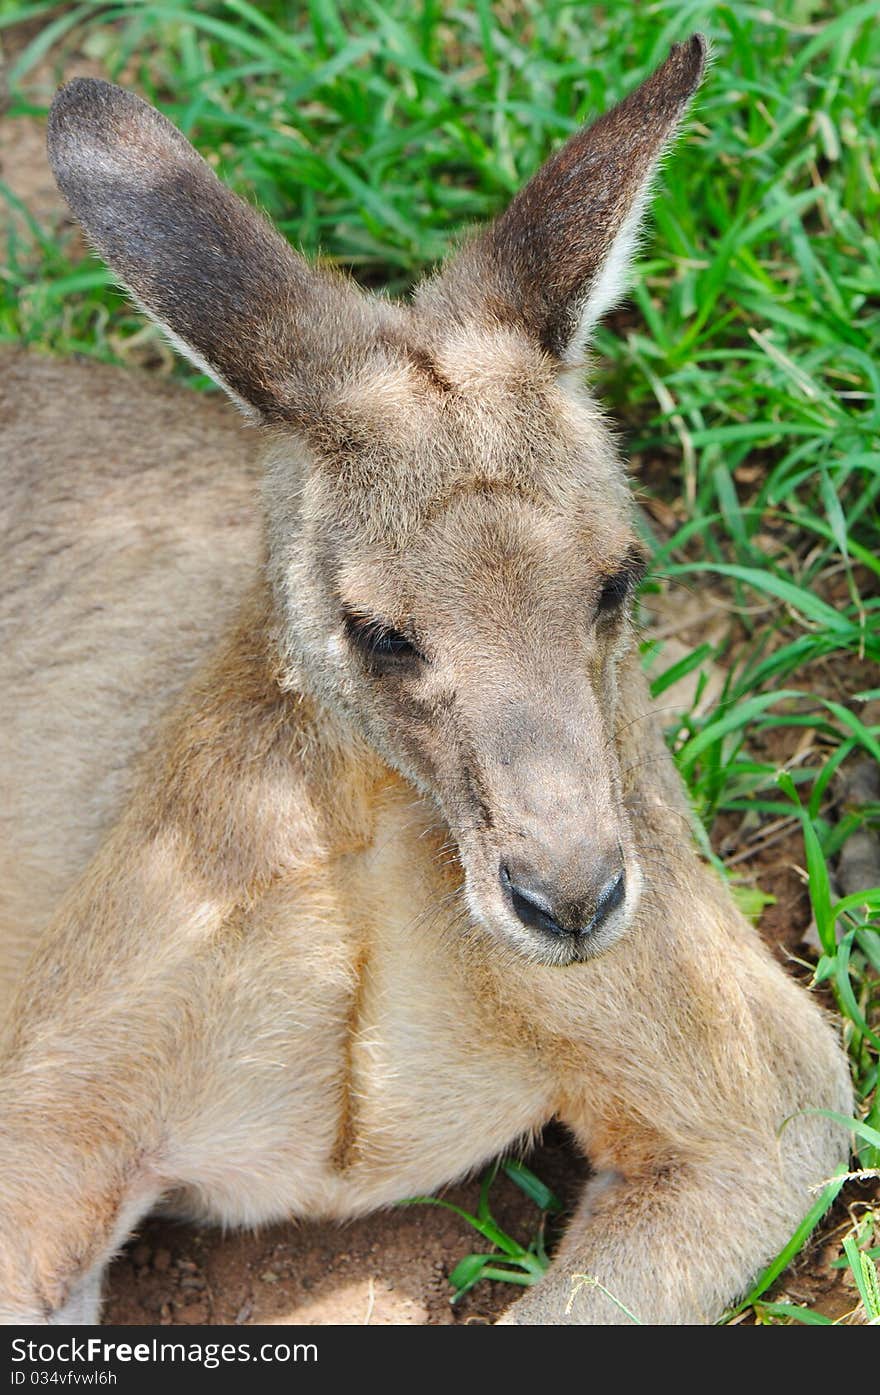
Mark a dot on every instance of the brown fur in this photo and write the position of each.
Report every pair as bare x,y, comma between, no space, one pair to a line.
262,944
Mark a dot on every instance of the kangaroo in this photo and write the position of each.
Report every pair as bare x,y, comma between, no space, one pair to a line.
341,850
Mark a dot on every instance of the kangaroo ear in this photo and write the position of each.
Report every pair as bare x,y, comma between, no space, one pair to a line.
227,289
557,259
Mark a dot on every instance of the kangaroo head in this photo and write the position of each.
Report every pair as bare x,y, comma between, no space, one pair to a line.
450,537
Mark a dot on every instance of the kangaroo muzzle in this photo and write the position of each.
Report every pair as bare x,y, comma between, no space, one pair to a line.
552,867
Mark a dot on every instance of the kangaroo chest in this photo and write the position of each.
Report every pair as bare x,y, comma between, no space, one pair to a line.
369,1067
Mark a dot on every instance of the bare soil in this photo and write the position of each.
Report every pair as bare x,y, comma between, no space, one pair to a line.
390,1268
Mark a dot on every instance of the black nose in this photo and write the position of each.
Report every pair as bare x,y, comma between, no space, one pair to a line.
536,909
610,897
533,909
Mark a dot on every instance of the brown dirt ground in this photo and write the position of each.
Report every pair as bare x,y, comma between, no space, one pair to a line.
390,1268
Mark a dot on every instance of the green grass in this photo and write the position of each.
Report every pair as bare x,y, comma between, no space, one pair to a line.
508,1261
744,373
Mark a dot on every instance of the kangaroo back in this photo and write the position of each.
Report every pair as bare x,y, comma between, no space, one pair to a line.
128,517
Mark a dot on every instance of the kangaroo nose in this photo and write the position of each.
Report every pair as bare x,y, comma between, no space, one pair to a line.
540,911
610,897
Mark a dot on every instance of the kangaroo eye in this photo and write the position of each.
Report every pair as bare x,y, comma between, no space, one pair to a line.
615,590
618,586
377,640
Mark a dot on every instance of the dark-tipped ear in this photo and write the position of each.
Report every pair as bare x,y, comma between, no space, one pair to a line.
227,289
557,258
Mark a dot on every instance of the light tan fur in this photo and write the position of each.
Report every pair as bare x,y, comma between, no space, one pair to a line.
257,956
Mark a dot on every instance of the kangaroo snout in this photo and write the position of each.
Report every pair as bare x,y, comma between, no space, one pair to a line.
559,890
544,833
545,906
